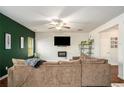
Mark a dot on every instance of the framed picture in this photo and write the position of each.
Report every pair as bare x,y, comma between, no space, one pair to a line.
22,42
7,41
114,42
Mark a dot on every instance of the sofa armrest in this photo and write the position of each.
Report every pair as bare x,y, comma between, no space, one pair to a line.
16,74
10,77
96,74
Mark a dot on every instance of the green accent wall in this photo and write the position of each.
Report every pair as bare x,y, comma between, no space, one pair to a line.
16,30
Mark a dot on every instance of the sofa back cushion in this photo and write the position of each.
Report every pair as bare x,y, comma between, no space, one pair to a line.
98,61
75,58
70,62
88,59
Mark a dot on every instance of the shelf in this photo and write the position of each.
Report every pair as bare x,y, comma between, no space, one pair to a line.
86,49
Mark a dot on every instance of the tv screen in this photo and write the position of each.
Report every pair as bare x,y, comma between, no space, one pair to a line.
62,40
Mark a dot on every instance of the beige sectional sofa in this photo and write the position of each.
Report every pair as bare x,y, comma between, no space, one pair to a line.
85,71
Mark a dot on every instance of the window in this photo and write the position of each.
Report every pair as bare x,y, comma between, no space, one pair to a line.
30,46
22,42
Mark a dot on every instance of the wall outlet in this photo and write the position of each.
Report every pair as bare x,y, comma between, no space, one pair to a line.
6,68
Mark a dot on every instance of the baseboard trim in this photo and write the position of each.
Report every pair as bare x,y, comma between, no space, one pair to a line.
3,77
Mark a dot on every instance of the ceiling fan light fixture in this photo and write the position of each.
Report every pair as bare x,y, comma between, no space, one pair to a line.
58,24
53,23
61,24
58,27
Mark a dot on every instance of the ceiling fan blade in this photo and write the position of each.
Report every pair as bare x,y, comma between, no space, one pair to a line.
67,27
39,22
51,27
51,24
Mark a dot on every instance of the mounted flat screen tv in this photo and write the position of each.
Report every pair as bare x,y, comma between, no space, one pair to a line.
62,40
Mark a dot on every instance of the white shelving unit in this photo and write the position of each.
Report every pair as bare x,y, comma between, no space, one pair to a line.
86,47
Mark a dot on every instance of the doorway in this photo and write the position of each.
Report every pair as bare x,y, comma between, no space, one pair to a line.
109,45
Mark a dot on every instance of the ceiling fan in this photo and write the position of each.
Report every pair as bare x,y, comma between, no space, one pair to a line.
58,24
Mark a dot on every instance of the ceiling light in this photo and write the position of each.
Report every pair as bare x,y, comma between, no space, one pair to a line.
61,24
58,24
58,28
53,23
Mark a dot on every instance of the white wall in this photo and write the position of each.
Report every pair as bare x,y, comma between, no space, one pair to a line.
95,34
105,46
45,45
